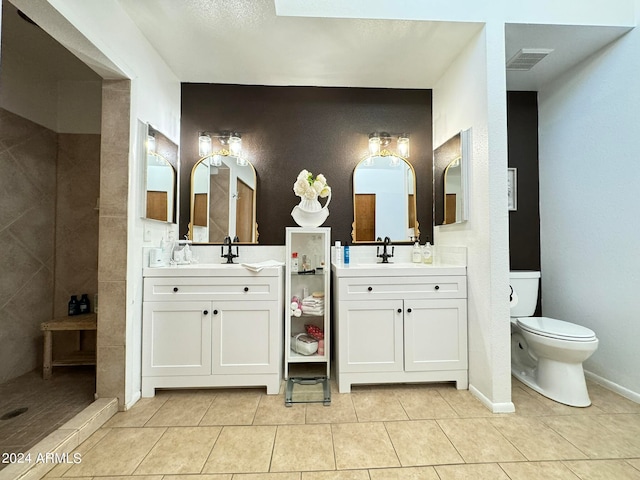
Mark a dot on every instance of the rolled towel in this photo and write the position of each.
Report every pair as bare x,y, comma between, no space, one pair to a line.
297,312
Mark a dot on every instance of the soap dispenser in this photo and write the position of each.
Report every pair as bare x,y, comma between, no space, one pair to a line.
416,254
427,253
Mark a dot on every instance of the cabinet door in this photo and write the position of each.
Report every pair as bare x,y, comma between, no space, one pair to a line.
176,338
435,333
247,337
370,336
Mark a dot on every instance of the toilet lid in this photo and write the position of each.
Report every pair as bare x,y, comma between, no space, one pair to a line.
550,327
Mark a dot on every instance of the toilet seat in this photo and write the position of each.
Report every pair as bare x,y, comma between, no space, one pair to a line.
552,328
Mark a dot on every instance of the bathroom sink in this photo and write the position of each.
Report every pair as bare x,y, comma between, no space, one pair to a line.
207,270
396,269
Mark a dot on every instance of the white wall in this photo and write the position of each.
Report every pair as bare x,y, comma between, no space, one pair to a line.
471,94
590,225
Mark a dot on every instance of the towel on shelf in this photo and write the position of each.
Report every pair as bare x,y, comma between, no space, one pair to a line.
256,267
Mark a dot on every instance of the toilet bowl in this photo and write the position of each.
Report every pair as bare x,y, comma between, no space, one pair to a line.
546,353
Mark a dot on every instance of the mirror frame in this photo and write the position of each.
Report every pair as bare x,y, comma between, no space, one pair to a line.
167,150
457,147
387,153
223,153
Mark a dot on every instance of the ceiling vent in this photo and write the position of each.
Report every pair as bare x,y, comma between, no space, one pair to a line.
527,58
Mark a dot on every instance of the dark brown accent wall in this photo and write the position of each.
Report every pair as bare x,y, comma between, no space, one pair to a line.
322,129
524,223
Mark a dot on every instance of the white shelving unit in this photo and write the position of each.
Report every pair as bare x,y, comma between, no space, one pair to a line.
312,248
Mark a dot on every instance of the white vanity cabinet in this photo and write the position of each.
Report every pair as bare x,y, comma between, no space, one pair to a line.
409,325
208,328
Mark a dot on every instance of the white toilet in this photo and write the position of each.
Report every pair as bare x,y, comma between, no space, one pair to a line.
547,354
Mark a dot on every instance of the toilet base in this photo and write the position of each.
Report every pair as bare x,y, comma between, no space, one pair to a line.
561,382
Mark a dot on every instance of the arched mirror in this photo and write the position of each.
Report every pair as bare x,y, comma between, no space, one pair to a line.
453,191
450,166
223,199
160,177
384,199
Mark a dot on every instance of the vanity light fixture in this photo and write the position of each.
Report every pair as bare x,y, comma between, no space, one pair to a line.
378,141
403,145
204,144
151,141
235,145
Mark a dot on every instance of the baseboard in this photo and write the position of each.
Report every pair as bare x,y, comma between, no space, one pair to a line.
502,407
134,399
614,387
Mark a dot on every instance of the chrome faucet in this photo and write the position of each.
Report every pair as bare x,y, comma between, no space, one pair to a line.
385,255
229,243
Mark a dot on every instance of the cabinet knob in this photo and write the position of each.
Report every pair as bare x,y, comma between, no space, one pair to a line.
408,310
370,289
437,287
175,289
399,310
246,289
215,312
206,312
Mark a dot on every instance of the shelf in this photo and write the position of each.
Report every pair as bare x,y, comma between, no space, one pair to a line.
314,244
299,358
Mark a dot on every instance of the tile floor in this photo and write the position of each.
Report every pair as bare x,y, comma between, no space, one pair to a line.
410,432
49,403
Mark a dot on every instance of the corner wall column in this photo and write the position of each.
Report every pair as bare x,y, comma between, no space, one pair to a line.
112,256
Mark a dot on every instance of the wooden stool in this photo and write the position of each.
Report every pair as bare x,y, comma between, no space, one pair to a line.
87,321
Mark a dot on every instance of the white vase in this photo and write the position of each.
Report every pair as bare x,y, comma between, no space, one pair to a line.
310,212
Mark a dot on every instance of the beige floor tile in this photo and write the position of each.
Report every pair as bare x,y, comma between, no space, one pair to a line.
482,471
593,438
555,408
478,441
339,475
464,404
129,477
526,404
535,470
363,445
378,405
242,449
232,408
264,476
406,473
181,411
603,470
609,401
213,476
626,426
635,462
180,450
83,448
272,411
303,448
534,439
341,410
421,442
140,414
424,404
119,452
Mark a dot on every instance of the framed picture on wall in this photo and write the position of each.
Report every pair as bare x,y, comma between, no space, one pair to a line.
512,188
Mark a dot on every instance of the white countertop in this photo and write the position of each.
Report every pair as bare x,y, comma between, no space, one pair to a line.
396,269
210,270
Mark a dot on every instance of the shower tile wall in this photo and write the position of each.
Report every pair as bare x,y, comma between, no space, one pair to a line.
76,230
27,222
44,247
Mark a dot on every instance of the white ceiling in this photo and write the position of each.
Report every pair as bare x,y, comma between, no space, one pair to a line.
244,42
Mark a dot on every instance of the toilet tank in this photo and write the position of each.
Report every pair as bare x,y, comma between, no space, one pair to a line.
525,284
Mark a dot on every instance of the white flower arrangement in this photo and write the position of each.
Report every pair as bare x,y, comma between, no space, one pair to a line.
309,187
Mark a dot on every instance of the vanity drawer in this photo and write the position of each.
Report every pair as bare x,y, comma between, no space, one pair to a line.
162,289
403,287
